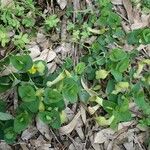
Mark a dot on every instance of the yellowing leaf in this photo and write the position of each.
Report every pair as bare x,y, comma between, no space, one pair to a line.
101,74
121,87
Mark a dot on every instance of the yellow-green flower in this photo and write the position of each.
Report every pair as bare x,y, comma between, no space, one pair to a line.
33,70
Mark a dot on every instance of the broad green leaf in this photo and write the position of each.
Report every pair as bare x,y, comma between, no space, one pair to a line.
52,96
2,106
123,65
117,75
9,135
21,122
5,83
21,63
51,117
5,116
45,116
110,86
117,55
84,95
70,90
141,102
79,69
27,93
32,106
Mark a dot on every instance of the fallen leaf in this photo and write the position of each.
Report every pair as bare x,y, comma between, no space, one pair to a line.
62,3
117,2
128,6
8,3
34,51
28,133
43,128
4,146
23,146
103,135
46,55
51,67
83,114
79,130
96,146
69,127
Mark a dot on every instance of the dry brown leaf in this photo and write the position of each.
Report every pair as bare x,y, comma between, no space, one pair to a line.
43,128
46,55
70,113
94,145
124,124
116,147
28,133
110,146
140,21
51,67
69,127
83,114
62,3
103,135
128,6
4,146
117,2
79,130
8,3
23,146
34,51
129,145
40,37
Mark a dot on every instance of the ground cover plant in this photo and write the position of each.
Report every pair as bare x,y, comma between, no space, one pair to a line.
100,73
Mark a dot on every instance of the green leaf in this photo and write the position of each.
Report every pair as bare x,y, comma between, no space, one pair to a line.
51,22
79,69
5,83
4,36
21,63
32,106
84,96
2,106
117,75
52,96
141,102
70,90
9,135
21,122
21,40
5,116
117,55
27,93
45,116
60,105
51,117
110,86
28,22
122,65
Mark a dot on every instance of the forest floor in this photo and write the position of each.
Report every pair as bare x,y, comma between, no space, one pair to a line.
104,45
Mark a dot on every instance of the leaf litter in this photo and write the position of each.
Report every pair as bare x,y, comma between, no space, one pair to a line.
128,136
